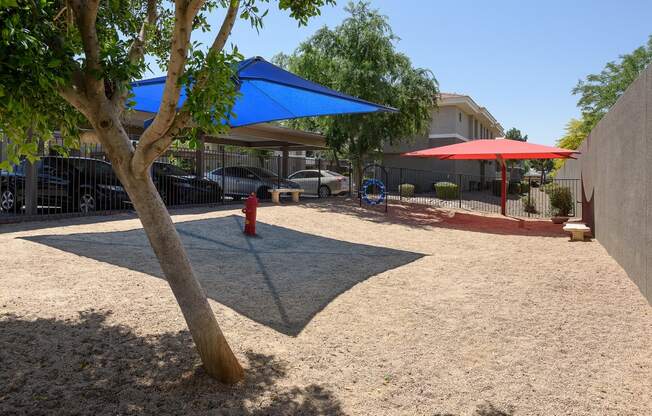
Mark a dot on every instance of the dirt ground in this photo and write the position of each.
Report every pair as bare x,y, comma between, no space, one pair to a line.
332,309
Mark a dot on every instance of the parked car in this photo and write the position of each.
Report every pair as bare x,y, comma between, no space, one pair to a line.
66,184
178,187
241,181
321,182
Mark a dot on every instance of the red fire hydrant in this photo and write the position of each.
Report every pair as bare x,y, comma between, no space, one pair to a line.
250,214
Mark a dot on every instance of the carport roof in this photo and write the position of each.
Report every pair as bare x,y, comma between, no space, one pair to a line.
264,135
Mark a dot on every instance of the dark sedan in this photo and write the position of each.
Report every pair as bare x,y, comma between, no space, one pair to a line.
178,187
66,184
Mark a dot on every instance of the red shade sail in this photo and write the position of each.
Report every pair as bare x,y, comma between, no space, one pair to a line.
494,149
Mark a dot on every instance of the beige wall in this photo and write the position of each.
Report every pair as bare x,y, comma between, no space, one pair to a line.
616,170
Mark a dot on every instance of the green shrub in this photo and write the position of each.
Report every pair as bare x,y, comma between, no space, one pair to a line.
406,190
529,206
561,200
514,188
525,187
447,190
547,188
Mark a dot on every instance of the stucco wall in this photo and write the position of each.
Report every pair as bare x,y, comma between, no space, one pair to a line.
616,170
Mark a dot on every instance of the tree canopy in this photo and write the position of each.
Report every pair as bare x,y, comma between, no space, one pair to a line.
359,57
599,92
515,134
54,51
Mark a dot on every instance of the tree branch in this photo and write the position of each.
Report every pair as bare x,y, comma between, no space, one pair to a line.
85,12
136,54
172,89
156,139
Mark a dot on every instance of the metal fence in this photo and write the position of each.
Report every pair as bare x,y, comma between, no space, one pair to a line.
525,198
84,182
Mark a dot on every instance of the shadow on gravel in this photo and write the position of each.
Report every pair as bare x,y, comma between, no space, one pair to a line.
84,366
281,278
421,216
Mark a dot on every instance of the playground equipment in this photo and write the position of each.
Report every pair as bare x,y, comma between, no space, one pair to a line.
251,204
372,190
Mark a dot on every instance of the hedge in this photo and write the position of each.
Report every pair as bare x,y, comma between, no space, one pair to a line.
447,190
406,190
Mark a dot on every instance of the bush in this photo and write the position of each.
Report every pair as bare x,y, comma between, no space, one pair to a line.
514,188
447,190
406,190
529,206
525,187
561,200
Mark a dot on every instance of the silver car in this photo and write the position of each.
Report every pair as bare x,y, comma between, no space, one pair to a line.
321,182
241,181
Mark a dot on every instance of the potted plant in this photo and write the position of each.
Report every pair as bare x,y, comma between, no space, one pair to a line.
561,201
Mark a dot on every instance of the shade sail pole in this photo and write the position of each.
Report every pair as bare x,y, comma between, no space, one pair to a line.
503,187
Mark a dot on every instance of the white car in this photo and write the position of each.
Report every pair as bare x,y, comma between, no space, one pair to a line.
323,183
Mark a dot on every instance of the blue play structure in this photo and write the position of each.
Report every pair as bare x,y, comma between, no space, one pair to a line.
267,93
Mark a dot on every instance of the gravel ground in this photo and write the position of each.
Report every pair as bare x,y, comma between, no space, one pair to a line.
333,310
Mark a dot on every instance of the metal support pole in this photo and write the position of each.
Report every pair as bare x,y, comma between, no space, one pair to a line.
503,188
529,189
400,184
459,190
223,176
31,184
319,177
199,158
350,178
286,158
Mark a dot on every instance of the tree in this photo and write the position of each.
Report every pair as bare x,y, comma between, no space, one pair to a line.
576,132
515,134
598,92
359,57
69,63
542,165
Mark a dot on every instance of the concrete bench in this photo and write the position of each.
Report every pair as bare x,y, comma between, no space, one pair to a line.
276,194
578,231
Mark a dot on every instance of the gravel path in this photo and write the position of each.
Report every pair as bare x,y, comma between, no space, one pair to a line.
333,310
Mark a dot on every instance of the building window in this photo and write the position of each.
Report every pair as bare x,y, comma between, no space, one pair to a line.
459,117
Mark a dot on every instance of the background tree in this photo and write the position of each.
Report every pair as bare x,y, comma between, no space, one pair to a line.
67,63
598,92
515,134
544,166
359,57
576,132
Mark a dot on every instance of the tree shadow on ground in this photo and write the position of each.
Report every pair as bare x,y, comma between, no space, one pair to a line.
420,216
281,278
85,366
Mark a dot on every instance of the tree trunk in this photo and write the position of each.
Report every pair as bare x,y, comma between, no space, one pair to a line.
216,355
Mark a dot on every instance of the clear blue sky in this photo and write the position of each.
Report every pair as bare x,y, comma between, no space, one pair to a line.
520,59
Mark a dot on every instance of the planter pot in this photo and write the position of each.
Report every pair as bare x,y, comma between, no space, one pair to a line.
559,220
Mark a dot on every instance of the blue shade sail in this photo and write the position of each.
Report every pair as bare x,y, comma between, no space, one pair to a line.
267,93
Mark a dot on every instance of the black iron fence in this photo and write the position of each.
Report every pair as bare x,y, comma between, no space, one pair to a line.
84,183
525,198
